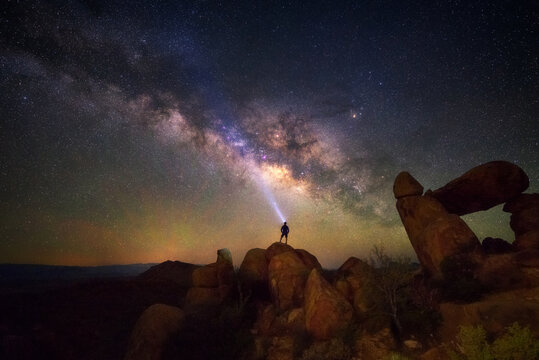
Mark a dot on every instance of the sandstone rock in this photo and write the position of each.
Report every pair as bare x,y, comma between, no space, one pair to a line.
254,267
436,235
375,346
308,259
276,249
206,276
496,246
265,319
406,185
326,310
417,212
354,266
295,320
482,187
282,348
153,330
201,296
287,276
529,240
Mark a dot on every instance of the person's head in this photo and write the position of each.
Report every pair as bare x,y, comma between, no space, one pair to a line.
285,222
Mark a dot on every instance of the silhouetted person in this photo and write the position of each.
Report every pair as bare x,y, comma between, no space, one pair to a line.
284,232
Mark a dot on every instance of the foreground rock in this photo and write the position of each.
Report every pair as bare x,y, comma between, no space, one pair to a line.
212,283
434,233
327,312
350,280
287,277
525,220
154,329
482,187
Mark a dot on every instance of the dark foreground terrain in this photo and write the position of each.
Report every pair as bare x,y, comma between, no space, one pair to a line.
88,318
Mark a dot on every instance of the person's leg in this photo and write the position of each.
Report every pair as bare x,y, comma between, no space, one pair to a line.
286,237
281,239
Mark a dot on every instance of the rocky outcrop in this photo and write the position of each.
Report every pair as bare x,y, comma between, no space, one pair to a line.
406,185
276,249
174,271
287,277
154,329
254,267
308,259
212,283
482,187
327,311
350,280
434,233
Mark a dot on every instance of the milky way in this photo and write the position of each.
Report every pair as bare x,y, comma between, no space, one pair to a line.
145,132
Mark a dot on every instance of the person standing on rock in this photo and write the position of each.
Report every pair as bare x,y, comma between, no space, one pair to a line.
284,232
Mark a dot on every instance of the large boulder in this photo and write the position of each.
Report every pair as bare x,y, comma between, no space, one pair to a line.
529,240
308,259
327,312
206,276
482,187
153,330
254,267
287,276
406,185
434,233
350,281
277,248
225,272
203,296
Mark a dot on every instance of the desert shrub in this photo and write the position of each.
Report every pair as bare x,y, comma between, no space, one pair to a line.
459,283
516,343
334,349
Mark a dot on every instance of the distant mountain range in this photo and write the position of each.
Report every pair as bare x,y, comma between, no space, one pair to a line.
18,272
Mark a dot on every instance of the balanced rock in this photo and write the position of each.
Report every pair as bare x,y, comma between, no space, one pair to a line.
482,187
287,275
434,233
153,330
326,310
406,185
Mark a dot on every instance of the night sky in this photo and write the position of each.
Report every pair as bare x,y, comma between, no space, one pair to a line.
141,131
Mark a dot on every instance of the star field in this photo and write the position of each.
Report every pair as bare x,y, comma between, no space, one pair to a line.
146,131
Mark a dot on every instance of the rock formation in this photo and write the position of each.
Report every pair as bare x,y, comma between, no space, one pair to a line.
436,231
482,187
212,283
435,234
153,330
327,311
287,277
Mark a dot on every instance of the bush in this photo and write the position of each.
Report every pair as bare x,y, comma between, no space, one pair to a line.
516,343
396,356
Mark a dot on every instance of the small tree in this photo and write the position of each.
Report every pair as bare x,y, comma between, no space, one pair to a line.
390,276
